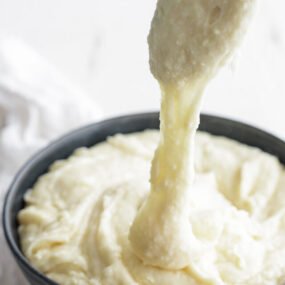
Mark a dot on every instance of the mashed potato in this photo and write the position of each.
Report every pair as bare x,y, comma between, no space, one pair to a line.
213,212
76,223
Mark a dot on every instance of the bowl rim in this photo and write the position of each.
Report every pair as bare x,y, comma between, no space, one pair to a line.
12,244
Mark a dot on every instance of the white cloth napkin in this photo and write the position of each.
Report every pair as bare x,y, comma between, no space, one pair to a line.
37,105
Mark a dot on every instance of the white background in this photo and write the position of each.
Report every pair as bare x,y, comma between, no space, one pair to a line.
100,45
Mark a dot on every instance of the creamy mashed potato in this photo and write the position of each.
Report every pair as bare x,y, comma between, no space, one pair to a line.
77,218
191,39
213,212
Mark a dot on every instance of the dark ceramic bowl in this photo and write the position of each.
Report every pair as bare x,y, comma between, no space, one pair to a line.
95,133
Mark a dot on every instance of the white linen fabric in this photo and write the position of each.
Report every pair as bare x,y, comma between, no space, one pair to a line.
37,105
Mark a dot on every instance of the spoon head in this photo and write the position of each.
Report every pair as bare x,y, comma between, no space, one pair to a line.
191,39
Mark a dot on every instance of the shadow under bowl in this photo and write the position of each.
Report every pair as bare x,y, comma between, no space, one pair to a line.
92,134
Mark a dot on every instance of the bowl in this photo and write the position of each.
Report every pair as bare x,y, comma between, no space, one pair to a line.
98,132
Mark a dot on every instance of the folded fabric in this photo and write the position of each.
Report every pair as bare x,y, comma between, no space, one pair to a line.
37,105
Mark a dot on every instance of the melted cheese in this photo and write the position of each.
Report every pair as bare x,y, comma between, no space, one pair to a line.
188,41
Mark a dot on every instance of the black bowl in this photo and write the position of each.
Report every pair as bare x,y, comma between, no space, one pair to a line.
95,133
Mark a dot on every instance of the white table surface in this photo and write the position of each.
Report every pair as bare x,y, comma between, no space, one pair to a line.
101,46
